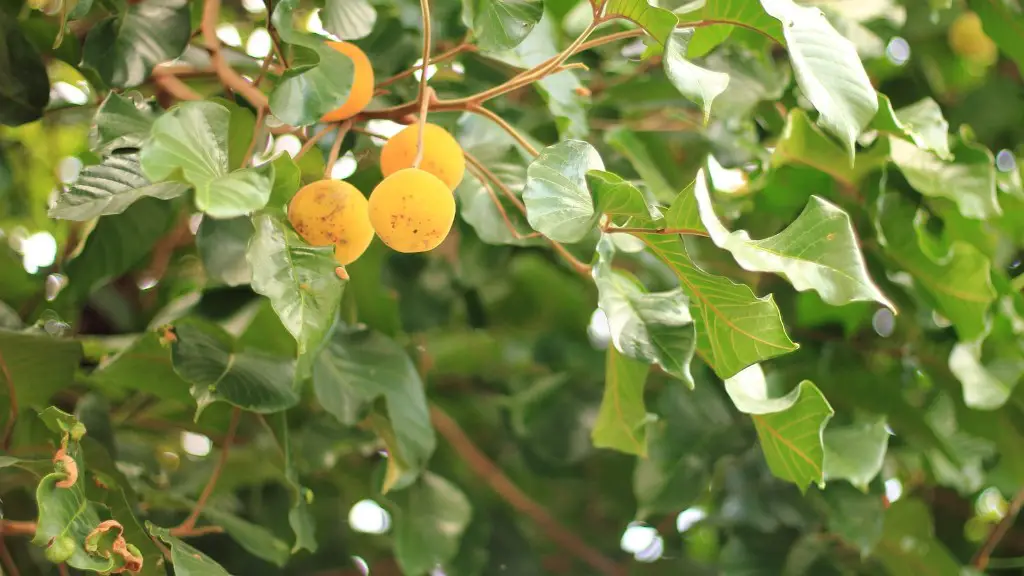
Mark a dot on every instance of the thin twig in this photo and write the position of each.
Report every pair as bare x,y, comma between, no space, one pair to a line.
489,472
579,267
506,127
18,527
314,139
655,231
261,115
12,394
980,560
336,147
497,204
228,76
173,85
423,95
464,47
263,70
181,532
190,522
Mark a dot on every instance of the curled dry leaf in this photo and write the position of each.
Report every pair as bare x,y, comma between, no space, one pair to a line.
70,468
103,541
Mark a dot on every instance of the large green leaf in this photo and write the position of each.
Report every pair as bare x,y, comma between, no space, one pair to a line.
789,427
614,196
921,123
969,179
828,70
300,517
145,366
123,49
122,121
558,203
190,142
36,365
959,282
24,84
909,545
319,79
1004,25
358,366
986,386
650,327
817,251
856,452
109,188
187,560
734,328
501,24
804,143
430,518
658,22
222,245
257,540
747,14
348,19
622,420
699,85
477,206
203,354
298,279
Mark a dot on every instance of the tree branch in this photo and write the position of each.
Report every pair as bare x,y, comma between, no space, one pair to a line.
980,560
336,147
482,178
228,76
480,464
190,522
493,117
464,47
18,527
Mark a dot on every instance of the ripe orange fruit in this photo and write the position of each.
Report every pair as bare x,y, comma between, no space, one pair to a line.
362,84
412,210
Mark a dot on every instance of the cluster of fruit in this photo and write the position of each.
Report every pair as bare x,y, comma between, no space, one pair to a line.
413,207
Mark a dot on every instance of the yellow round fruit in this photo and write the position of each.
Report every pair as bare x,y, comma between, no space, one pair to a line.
362,85
442,155
968,40
330,212
412,210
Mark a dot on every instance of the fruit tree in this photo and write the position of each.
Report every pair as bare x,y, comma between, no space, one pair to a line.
511,287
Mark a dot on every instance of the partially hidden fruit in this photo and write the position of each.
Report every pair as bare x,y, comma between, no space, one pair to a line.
412,210
330,212
969,41
362,83
442,155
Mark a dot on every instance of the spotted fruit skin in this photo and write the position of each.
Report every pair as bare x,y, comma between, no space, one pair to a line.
412,210
332,212
362,84
442,155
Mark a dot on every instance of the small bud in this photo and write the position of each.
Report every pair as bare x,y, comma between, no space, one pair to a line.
60,550
77,431
582,91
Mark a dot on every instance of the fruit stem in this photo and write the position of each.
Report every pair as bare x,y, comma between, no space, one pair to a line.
424,96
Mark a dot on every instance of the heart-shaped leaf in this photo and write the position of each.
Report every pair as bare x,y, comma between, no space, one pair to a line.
558,203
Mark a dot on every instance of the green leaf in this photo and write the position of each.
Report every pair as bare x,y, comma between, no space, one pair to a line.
222,246
622,420
969,179
790,427
477,207
122,121
203,354
558,203
627,143
804,143
24,84
986,386
828,70
699,85
300,516
1004,25
358,366
319,79
684,212
908,521
856,452
921,123
734,328
36,366
123,49
817,251
655,328
191,140
694,429
616,197
348,19
959,282
187,560
658,22
854,516
144,366
109,188
255,539
430,518
287,178
747,14
298,279
501,24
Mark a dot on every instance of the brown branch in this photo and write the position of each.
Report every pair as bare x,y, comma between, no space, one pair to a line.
261,115
497,204
181,532
980,560
12,394
336,147
190,522
18,527
480,464
493,117
656,231
172,84
228,76
314,139
464,47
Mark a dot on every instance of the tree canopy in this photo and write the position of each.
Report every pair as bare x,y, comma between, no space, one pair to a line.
727,287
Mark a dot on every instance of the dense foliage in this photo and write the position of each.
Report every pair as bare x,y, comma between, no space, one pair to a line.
732,287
